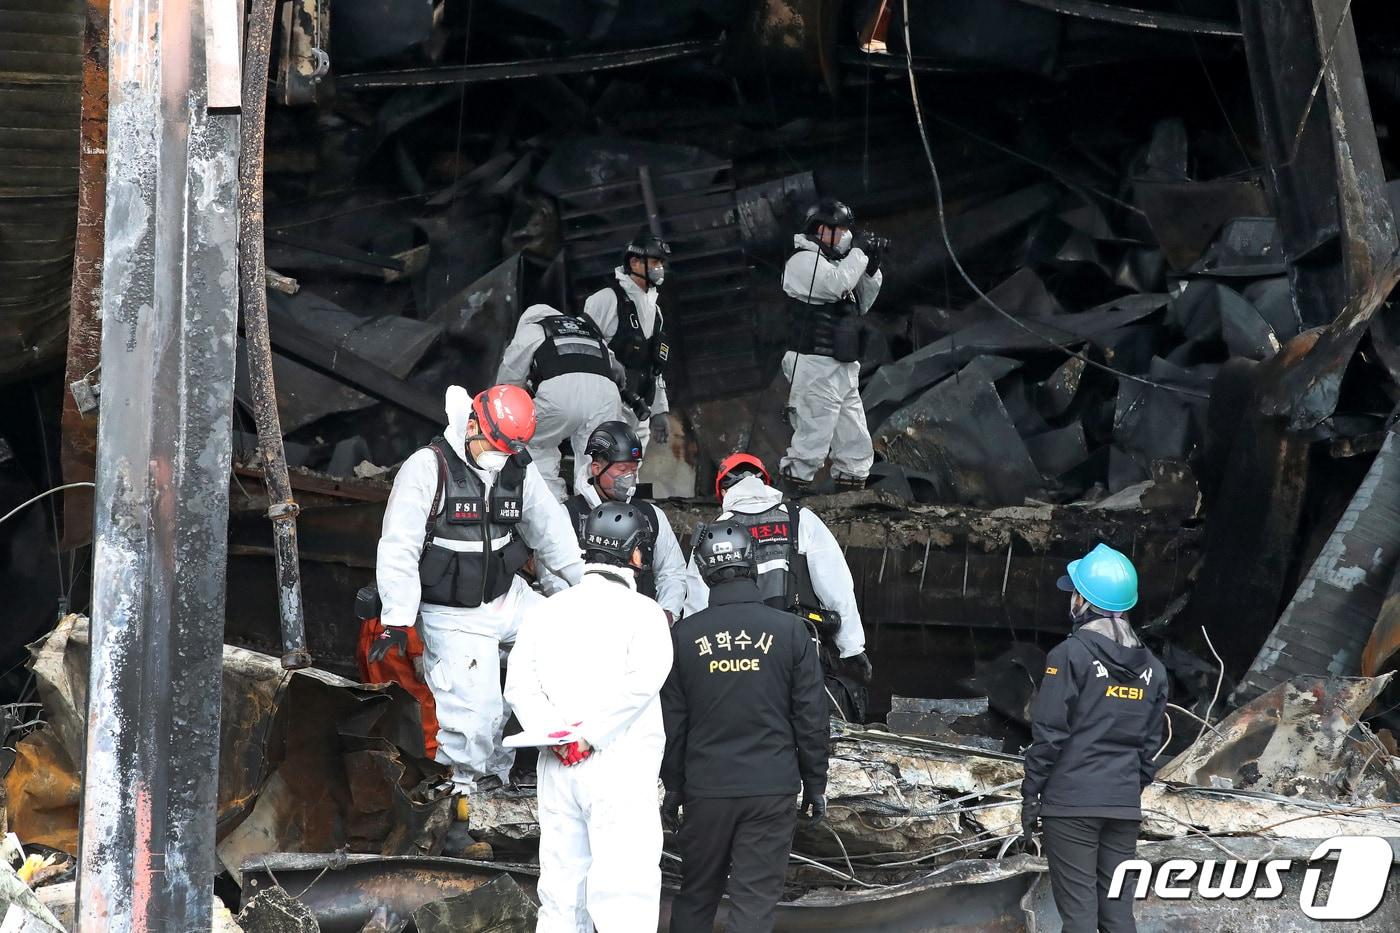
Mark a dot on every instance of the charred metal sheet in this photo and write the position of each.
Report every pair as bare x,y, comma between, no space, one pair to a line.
343,892
1161,20
529,68
78,449
169,299
500,905
41,63
1246,247
1255,475
1303,738
1325,176
897,381
960,431
1329,619
1185,216
1306,391
971,894
328,360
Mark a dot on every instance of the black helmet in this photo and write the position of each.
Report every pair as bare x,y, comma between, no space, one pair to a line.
613,531
614,442
724,551
647,245
830,212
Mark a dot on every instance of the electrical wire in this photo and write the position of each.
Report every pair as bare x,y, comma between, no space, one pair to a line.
28,502
957,264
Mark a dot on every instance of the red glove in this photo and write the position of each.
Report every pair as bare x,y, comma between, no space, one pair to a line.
570,753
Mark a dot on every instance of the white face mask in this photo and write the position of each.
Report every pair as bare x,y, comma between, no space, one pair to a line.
843,245
493,461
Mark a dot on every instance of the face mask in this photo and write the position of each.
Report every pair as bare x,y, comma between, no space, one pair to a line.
843,245
1078,611
624,487
656,276
492,461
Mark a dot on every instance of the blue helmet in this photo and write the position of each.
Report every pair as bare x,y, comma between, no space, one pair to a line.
1105,578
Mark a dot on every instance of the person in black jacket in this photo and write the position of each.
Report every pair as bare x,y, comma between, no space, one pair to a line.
746,722
1096,729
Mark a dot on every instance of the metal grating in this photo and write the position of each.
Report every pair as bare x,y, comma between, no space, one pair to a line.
707,299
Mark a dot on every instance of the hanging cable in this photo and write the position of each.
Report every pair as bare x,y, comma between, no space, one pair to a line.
957,264
28,502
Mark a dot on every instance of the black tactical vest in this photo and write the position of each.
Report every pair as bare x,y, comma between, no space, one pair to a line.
571,345
645,357
578,508
783,579
830,329
471,550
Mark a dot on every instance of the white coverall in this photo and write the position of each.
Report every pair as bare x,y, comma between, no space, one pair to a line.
826,563
667,559
826,394
570,405
597,655
601,306
461,647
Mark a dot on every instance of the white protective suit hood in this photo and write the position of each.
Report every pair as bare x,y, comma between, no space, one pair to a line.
751,495
459,412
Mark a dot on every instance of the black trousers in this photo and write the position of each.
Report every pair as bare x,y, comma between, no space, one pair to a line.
744,839
1083,851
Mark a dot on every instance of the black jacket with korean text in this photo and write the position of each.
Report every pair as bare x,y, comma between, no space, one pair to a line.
744,705
1096,724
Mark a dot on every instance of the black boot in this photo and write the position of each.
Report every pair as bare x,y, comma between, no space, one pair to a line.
794,487
848,483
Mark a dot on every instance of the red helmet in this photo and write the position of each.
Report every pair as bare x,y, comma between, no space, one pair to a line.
733,462
505,415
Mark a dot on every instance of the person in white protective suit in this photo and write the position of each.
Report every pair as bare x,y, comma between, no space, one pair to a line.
614,456
462,518
589,664
829,284
566,364
627,312
802,569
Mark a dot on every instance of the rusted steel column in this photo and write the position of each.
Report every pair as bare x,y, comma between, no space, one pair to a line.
282,507
169,300
77,451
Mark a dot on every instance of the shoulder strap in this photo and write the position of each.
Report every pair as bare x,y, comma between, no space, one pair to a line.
437,495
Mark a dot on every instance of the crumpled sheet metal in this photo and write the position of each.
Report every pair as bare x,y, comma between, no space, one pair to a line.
42,791
894,382
394,343
314,763
1304,738
960,431
973,894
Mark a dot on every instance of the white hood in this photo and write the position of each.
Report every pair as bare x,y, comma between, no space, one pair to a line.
459,411
803,241
751,495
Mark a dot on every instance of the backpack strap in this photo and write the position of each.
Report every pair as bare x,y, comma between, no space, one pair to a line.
437,495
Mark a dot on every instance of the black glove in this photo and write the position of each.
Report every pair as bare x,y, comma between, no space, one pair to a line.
1030,816
813,808
639,407
660,428
393,636
671,810
859,664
